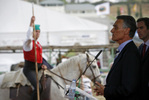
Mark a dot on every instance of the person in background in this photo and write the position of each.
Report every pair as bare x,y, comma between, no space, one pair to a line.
143,32
29,56
123,80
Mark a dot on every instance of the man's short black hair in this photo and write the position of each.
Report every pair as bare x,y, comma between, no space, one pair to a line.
145,20
129,22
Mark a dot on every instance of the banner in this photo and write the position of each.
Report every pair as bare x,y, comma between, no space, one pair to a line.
103,9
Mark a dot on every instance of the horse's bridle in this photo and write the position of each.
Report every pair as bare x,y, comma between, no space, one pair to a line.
89,66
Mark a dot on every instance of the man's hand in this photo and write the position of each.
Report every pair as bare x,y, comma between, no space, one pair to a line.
44,67
99,89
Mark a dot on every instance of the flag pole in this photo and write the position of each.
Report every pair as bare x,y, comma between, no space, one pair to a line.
36,65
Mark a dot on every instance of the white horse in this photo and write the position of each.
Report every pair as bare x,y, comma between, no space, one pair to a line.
70,69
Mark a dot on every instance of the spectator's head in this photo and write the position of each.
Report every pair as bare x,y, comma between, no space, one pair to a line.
143,28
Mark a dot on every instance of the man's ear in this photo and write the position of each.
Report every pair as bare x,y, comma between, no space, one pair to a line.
127,31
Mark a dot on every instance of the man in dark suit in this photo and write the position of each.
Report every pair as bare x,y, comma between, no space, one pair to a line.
123,80
143,32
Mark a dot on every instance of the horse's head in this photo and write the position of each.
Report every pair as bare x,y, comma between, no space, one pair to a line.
75,67
91,70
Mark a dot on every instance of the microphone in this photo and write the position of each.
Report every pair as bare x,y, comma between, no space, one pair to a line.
98,54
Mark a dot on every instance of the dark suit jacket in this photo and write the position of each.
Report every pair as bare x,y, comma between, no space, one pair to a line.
123,79
144,74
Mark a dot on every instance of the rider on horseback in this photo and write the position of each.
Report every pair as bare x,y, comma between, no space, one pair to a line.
29,56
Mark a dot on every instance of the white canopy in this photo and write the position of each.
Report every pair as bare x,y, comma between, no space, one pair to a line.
56,28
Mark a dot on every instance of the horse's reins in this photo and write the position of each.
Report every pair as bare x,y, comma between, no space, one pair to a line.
59,76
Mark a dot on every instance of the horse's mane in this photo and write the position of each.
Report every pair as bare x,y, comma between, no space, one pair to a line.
69,62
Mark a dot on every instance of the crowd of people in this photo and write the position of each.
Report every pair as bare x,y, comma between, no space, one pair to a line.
128,78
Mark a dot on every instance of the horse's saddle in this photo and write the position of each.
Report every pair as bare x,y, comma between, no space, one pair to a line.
13,78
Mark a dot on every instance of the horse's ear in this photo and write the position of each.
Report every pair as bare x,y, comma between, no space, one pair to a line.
87,54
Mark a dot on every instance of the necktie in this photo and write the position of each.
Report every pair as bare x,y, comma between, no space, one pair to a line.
144,49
